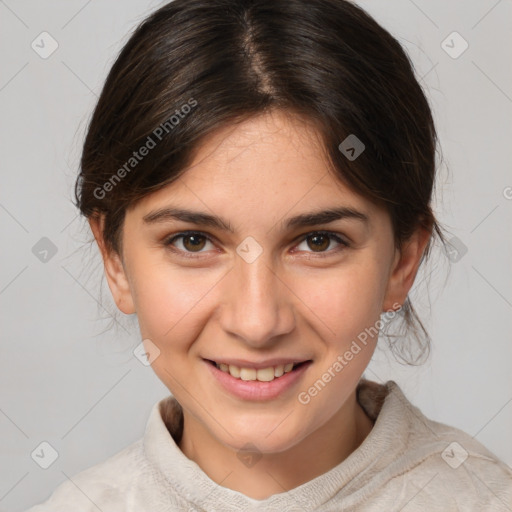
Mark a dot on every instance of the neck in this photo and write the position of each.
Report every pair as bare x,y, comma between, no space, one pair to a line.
274,473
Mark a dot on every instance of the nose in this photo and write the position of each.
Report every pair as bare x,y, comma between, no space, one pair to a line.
257,305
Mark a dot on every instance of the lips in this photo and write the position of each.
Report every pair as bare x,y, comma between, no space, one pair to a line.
256,390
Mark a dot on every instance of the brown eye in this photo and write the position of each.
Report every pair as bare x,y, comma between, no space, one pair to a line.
193,243
187,243
319,242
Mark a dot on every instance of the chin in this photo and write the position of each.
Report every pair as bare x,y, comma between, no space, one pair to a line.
262,439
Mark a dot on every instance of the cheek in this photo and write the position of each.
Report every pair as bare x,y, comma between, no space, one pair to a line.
347,305
345,301
168,302
172,311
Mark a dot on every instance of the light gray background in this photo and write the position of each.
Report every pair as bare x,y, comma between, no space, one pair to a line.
68,380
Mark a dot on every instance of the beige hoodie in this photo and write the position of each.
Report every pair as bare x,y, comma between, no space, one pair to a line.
407,463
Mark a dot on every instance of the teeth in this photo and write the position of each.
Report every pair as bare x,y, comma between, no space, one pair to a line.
263,374
248,373
233,370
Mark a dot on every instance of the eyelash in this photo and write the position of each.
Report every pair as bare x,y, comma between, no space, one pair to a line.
188,254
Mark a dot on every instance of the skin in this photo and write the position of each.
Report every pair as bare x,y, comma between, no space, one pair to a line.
289,302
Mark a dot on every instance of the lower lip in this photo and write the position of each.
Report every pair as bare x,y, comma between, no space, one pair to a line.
254,389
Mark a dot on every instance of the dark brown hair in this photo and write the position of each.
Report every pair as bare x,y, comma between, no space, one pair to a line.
195,65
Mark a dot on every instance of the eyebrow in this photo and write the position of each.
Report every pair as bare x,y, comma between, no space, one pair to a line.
313,218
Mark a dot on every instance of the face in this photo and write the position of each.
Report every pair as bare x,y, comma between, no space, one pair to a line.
250,277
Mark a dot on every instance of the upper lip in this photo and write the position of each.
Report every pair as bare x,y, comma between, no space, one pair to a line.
244,363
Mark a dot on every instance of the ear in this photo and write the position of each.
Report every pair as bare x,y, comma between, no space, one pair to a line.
114,269
405,268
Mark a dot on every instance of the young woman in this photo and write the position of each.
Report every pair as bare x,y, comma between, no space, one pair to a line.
258,176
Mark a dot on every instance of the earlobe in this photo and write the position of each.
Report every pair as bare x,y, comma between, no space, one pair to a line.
114,269
405,268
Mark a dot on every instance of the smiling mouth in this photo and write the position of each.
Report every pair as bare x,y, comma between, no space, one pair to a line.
260,374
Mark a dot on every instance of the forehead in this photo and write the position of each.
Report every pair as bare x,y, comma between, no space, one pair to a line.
270,165
276,144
